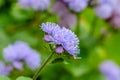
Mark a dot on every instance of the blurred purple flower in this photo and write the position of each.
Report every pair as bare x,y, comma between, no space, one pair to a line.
117,9
59,8
18,65
35,4
115,21
3,69
9,68
77,5
33,60
9,54
105,8
104,11
69,20
62,36
40,4
110,70
21,51
111,3
24,3
66,18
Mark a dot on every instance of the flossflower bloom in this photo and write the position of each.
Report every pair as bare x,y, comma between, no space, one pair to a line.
77,5
4,70
106,7
35,4
21,51
110,70
61,37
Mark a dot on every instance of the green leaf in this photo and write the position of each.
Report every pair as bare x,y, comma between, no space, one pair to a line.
4,78
23,78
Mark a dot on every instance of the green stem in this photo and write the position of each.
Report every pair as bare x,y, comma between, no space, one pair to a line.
44,64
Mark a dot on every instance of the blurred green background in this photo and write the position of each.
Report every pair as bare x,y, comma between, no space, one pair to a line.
98,41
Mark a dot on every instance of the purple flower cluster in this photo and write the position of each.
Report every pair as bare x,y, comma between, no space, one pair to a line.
77,5
105,8
5,70
67,18
115,19
35,4
62,37
110,70
19,52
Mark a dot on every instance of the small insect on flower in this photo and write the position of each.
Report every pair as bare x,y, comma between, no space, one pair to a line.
63,38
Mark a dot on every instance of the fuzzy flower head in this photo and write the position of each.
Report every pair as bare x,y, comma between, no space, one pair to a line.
77,5
4,70
49,27
105,9
21,51
9,54
110,70
112,3
62,36
33,60
35,4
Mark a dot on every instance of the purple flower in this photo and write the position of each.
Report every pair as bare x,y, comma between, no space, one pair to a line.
105,8
68,20
112,3
70,41
49,27
59,8
59,49
3,69
104,11
115,21
9,54
62,36
35,4
20,51
47,38
33,60
18,65
77,5
110,70
40,4
24,3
